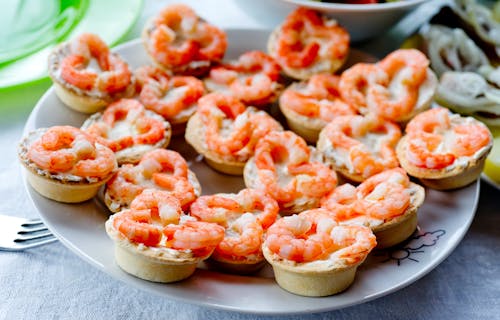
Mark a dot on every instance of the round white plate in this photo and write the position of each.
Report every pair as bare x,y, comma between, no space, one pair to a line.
443,221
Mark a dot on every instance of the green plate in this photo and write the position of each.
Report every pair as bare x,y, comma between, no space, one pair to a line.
33,27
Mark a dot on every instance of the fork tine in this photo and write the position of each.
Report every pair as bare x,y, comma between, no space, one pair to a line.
35,236
32,230
31,244
32,222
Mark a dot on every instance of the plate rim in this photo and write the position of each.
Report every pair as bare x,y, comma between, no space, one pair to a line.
30,124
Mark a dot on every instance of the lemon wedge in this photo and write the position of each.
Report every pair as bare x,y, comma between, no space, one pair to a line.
492,164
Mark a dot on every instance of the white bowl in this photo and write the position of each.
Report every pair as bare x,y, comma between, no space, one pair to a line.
363,21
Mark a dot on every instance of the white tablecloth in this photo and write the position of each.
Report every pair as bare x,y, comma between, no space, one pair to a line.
51,282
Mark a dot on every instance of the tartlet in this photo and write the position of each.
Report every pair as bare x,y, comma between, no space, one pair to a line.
457,156
128,129
80,84
61,182
393,220
334,267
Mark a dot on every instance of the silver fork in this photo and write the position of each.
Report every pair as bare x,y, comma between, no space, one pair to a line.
18,233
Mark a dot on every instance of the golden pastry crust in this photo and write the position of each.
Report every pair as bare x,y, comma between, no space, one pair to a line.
195,137
85,101
311,279
59,187
400,228
447,178
152,263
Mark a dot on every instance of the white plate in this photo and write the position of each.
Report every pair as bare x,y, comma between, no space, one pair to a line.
443,221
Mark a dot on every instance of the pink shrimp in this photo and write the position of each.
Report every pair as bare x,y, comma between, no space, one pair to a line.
252,78
142,128
406,68
319,97
366,142
220,113
261,205
198,236
305,35
243,237
178,36
355,81
280,149
219,209
163,206
115,75
302,238
170,97
138,227
352,243
68,149
470,138
159,169
382,196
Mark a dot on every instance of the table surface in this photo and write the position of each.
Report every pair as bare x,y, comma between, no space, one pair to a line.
51,282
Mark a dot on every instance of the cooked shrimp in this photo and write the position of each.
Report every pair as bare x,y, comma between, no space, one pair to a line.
219,209
437,138
159,169
164,207
382,197
302,238
198,236
113,76
355,81
125,124
243,237
319,97
306,37
252,78
171,96
363,145
407,70
469,139
285,170
69,150
352,243
224,209
178,37
138,227
227,127
262,206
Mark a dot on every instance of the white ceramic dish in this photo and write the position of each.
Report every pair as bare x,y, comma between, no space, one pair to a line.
443,221
362,21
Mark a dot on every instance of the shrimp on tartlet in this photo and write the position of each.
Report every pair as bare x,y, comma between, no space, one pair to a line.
307,43
159,169
386,202
245,217
173,97
177,39
312,255
65,164
128,129
225,131
310,105
290,171
443,149
396,88
360,146
155,241
253,79
87,76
